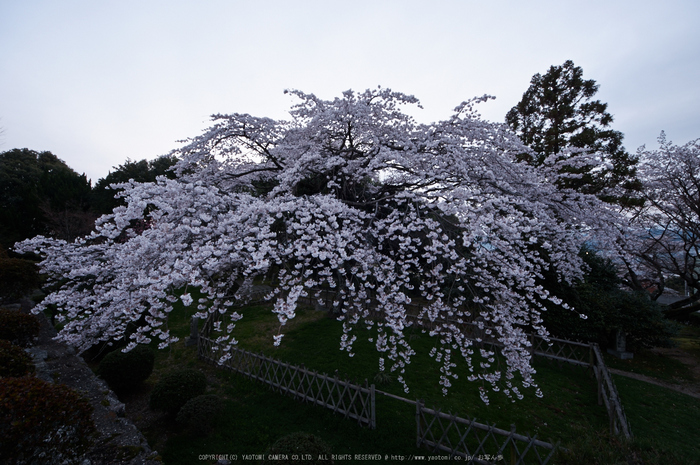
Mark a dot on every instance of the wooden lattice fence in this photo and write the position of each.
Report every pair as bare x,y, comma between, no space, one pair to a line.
607,394
476,442
577,353
589,355
343,397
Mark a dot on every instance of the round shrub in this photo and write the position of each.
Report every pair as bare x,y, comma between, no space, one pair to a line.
296,444
42,422
18,277
126,371
18,328
175,388
200,413
14,361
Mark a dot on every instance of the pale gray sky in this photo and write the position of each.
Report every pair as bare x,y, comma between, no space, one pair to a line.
99,82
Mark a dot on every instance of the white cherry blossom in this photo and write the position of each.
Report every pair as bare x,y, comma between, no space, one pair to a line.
350,196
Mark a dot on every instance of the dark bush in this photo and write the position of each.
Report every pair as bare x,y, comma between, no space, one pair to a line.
175,388
98,351
126,371
297,444
607,308
18,277
42,422
694,319
642,321
14,361
200,414
632,312
19,328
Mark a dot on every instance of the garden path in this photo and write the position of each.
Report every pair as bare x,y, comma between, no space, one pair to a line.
691,388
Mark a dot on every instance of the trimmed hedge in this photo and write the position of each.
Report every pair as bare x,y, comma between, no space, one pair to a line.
200,414
42,422
126,371
14,361
18,277
19,328
175,388
298,444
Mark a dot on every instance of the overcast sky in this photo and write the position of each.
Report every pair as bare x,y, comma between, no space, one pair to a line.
97,82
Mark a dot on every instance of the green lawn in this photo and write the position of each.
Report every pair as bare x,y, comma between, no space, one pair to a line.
688,339
568,412
661,419
568,390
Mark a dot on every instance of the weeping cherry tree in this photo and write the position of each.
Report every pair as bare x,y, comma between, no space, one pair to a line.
351,196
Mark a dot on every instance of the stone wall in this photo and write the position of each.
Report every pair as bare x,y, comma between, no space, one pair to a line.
119,441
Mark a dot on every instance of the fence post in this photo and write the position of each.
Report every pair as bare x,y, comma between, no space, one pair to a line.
260,365
512,445
373,418
613,405
418,428
193,339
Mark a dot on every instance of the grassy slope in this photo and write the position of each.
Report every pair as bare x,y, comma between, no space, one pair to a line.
568,412
313,340
660,417
652,364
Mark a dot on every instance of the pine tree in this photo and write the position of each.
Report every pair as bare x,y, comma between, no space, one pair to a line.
556,113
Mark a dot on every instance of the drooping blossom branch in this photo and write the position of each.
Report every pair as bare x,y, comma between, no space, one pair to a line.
350,196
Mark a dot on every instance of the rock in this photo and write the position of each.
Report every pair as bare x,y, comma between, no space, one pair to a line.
119,441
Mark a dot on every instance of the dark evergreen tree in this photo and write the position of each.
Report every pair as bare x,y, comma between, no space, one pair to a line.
558,112
38,191
103,200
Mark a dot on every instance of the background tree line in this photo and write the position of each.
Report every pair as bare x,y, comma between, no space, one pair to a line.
41,195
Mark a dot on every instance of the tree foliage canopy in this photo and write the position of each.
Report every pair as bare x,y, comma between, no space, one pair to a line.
349,195
608,308
103,197
33,186
556,113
